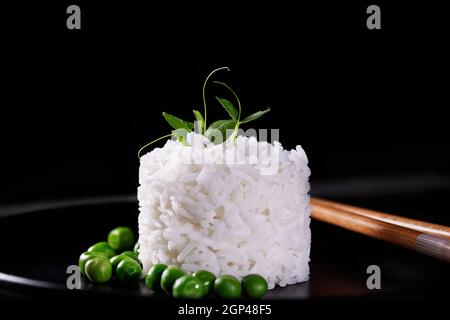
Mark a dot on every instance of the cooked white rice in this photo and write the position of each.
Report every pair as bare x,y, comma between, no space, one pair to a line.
226,218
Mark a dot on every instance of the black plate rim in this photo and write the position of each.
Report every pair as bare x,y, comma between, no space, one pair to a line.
14,210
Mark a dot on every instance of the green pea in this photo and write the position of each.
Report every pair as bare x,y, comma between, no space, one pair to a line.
254,286
116,260
206,278
227,287
98,269
127,254
85,256
121,239
153,278
128,270
131,254
188,287
136,248
102,247
169,276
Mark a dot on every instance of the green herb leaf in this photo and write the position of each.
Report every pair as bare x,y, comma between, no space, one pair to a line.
254,116
182,128
219,124
200,121
229,107
177,123
222,126
181,134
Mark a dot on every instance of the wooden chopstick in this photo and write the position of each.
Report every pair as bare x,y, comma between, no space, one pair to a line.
347,217
422,226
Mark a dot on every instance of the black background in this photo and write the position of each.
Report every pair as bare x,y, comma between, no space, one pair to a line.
368,106
78,104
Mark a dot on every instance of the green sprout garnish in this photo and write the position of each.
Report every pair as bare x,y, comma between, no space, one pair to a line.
182,127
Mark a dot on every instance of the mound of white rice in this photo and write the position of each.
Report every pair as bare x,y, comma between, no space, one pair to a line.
199,211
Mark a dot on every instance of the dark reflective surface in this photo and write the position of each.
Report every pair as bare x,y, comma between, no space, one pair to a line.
41,245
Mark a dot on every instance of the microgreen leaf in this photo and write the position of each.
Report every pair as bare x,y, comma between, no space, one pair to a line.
200,121
182,127
217,124
254,116
238,122
222,126
181,134
229,107
177,123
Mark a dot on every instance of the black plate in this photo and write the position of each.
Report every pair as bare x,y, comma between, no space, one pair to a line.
41,242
